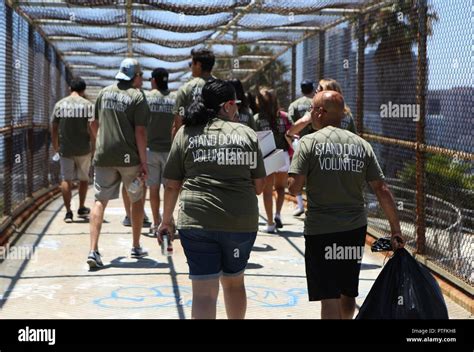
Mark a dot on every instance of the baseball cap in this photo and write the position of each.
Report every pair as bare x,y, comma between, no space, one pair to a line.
307,83
128,69
160,74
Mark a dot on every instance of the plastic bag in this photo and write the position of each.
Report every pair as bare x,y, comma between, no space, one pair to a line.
404,289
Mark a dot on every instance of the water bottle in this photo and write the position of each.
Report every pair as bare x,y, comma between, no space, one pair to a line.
135,186
296,144
56,157
166,245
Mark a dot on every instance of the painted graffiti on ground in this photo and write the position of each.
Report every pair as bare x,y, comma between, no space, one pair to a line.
141,297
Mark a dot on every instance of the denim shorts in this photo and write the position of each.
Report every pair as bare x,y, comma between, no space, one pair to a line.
211,254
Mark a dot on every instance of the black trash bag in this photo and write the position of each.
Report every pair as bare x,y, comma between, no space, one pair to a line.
404,289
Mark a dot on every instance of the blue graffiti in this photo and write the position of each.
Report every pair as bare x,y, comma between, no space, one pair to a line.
139,297
142,297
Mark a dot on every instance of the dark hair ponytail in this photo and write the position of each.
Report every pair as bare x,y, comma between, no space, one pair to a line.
198,113
207,105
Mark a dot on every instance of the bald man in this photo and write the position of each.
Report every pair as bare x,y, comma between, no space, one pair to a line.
335,164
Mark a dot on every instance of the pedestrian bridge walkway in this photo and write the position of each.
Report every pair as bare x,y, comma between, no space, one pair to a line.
56,282
426,155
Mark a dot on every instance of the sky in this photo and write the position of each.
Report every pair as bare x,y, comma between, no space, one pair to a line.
450,49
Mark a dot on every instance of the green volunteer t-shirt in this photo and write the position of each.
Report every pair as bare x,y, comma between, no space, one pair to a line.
263,124
337,164
246,117
161,104
119,109
72,114
188,93
217,163
298,109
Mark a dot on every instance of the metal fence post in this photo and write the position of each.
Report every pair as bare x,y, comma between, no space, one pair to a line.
47,79
293,73
420,128
8,136
322,53
360,73
30,111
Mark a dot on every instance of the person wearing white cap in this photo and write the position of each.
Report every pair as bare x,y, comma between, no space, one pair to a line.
121,118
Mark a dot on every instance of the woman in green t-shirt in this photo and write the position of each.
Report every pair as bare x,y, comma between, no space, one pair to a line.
272,118
245,115
216,168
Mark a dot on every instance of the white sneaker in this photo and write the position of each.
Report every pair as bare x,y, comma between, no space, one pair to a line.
153,230
298,211
271,228
94,260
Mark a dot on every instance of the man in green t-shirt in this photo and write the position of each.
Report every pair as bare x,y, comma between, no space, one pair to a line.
161,103
201,67
70,135
121,118
297,110
335,164
301,106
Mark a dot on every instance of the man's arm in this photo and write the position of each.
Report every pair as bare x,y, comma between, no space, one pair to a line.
299,125
55,136
93,128
387,203
296,183
140,137
177,123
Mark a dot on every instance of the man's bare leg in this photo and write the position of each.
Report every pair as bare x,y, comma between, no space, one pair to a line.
83,186
330,309
155,204
137,221
66,187
347,307
96,219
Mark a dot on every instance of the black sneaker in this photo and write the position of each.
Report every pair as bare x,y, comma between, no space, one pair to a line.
94,260
278,222
83,212
146,221
138,252
68,217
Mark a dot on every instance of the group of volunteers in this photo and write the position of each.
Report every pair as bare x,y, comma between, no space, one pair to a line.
201,144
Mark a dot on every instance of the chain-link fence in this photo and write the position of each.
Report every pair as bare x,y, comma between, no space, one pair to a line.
406,72
32,79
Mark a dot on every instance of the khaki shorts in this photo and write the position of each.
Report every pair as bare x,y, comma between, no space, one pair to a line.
75,167
107,182
156,166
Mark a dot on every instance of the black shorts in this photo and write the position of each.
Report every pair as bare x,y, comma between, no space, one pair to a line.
333,263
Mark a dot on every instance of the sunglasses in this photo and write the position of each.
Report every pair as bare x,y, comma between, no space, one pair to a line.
190,63
231,102
312,107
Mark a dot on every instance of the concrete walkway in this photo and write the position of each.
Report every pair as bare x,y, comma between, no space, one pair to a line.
55,281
